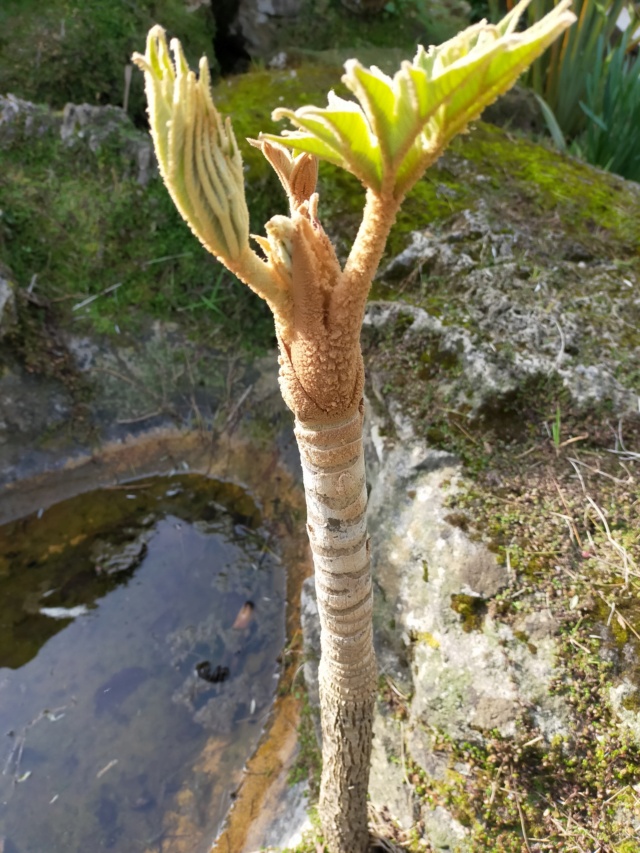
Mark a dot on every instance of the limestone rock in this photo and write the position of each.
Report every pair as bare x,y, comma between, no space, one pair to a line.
259,22
80,124
98,126
7,302
310,622
21,118
517,109
113,558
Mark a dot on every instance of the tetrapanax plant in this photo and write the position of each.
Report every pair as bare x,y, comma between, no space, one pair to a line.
393,130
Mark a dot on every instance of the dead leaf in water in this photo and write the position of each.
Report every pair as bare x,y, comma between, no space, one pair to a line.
244,616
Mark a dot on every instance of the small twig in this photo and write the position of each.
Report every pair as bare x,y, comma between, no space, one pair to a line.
124,421
494,789
520,813
15,756
617,794
165,258
579,473
625,454
465,431
194,403
402,758
135,383
236,408
526,452
393,687
575,438
568,517
619,548
128,487
96,296
106,768
599,471
619,615
580,646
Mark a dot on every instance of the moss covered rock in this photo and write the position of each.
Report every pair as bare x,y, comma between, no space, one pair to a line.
77,50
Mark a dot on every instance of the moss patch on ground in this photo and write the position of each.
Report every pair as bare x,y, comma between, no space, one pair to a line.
76,50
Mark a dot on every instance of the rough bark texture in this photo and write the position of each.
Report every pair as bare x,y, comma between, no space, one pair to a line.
336,492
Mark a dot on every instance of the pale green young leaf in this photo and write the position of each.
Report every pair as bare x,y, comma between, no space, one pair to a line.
339,134
302,142
404,123
491,75
510,21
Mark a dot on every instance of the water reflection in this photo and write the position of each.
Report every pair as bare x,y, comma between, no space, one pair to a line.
139,634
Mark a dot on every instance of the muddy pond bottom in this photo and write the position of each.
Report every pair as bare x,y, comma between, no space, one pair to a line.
140,630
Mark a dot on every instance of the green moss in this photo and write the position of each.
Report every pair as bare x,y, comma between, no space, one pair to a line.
471,609
426,638
632,702
435,197
425,571
535,185
80,225
76,50
308,763
251,98
594,207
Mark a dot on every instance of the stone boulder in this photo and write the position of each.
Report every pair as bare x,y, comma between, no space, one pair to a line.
80,125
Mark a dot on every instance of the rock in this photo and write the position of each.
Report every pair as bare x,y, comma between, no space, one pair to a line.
387,786
7,302
505,324
536,626
487,376
517,109
259,22
465,679
29,406
427,255
98,126
112,559
310,623
629,716
445,834
290,822
20,118
80,124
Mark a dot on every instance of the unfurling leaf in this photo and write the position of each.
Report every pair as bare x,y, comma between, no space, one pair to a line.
401,125
298,175
197,153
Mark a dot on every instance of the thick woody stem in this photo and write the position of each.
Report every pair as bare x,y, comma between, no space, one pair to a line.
336,493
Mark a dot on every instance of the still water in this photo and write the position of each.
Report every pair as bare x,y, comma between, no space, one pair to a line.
140,630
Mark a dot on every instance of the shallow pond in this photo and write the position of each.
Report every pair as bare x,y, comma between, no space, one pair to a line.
140,630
